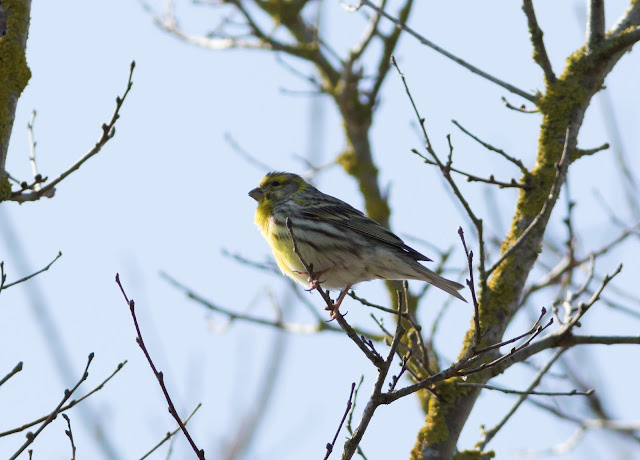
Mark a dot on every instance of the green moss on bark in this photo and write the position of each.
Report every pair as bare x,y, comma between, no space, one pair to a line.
14,76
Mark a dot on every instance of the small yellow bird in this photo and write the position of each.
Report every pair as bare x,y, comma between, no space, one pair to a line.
340,244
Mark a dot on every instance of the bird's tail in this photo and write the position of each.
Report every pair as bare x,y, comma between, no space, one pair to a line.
448,286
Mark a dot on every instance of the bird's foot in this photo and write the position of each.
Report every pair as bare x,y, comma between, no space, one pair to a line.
334,308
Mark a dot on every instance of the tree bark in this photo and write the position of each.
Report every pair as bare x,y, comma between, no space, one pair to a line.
14,74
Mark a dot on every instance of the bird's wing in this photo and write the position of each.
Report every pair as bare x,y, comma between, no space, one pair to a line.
333,210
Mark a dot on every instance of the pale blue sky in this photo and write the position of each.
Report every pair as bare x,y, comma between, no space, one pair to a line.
168,193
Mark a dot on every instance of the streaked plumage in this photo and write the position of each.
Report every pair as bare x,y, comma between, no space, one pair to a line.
343,246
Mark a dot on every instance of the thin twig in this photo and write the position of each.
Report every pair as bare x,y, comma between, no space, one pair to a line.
346,412
22,280
579,153
477,335
539,51
492,364
514,160
370,33
515,339
544,213
108,131
489,434
473,178
159,375
389,43
353,408
13,372
445,170
234,315
251,159
430,44
377,397
366,303
403,368
351,333
67,394
32,151
526,392
71,404
69,433
521,109
171,433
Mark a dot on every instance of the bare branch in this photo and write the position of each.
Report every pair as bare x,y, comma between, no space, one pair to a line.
22,280
477,333
370,33
564,337
233,315
159,375
169,24
430,44
521,109
170,434
251,159
489,434
543,215
595,24
70,435
71,404
108,131
32,150
515,339
389,44
67,394
463,366
351,333
13,372
473,178
344,417
525,172
353,408
629,18
579,153
377,397
539,50
446,172
526,392
623,41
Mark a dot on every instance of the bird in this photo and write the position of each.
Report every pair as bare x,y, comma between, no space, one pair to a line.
339,244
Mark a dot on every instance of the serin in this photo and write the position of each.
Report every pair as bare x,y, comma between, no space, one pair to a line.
340,244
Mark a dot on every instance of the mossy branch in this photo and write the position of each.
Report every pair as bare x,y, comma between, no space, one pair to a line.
14,29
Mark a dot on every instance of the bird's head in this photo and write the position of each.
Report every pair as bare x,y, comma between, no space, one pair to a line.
277,187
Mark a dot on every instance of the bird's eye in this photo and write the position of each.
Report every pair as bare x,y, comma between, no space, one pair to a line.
275,183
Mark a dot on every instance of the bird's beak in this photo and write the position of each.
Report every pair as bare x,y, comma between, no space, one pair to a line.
257,194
